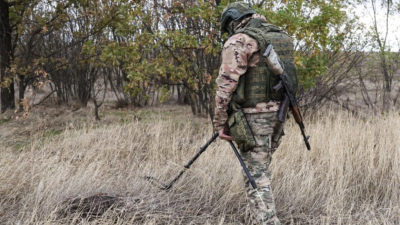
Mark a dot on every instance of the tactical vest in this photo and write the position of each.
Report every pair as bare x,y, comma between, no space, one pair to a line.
256,85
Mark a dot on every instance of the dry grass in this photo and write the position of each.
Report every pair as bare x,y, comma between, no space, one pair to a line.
351,176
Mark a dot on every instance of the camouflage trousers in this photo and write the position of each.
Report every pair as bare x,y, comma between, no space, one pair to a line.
267,131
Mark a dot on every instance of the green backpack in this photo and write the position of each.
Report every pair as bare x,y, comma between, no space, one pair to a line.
265,34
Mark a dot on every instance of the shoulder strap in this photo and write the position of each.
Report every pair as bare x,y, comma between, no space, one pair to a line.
271,28
257,34
259,29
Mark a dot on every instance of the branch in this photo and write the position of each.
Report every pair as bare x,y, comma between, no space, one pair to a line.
44,98
387,22
166,46
12,3
17,35
82,39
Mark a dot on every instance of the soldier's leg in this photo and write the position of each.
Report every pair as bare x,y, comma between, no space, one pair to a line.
267,132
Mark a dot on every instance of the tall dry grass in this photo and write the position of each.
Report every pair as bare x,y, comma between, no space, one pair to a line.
351,176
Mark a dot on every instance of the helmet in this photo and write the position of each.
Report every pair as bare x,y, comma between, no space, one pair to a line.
235,11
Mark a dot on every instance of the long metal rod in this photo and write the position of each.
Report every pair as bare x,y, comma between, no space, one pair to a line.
202,149
252,182
187,166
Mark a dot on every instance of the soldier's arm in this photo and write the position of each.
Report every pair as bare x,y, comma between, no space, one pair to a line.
235,56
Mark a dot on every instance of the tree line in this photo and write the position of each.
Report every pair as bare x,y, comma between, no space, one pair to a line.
143,51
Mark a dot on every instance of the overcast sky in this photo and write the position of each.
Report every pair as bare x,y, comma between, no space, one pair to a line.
365,13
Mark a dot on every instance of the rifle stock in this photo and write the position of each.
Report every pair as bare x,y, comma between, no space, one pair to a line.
296,114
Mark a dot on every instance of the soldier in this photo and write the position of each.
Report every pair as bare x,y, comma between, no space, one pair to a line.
246,81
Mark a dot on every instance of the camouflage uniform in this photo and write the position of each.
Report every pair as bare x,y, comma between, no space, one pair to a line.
267,131
239,53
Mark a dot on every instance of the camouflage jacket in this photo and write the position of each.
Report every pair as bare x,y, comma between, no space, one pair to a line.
239,53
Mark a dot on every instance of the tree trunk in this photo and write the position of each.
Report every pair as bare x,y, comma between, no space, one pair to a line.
96,112
7,93
191,102
180,101
22,87
387,84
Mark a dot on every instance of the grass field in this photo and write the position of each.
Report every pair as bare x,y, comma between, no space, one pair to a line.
73,174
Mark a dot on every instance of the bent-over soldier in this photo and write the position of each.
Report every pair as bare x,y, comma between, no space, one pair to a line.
245,83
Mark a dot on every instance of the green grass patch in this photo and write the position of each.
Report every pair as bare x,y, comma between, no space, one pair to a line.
51,133
4,120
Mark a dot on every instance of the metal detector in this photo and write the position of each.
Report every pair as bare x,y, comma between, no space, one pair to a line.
168,186
163,186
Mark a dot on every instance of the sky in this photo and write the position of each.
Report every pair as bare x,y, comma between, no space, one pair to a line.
365,13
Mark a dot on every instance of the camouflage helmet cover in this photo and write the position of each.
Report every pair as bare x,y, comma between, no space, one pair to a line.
235,11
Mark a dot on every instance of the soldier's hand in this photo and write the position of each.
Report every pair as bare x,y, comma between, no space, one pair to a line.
223,134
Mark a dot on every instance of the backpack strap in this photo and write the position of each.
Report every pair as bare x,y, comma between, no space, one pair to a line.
253,30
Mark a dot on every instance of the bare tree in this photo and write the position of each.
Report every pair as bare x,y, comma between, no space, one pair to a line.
99,89
388,61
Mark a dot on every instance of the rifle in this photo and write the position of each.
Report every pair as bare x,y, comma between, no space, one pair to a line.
289,100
